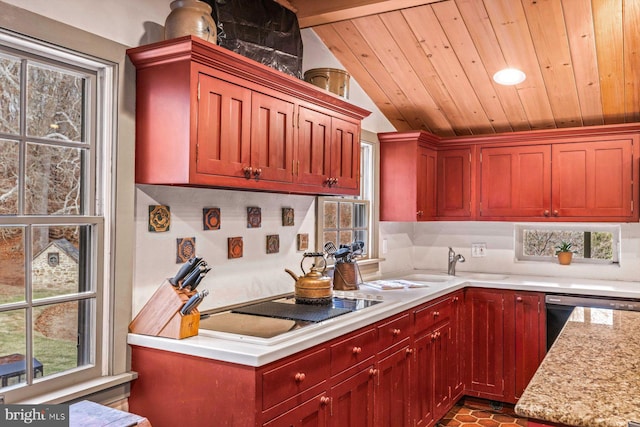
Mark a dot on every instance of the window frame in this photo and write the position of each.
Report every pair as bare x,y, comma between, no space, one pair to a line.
98,212
615,230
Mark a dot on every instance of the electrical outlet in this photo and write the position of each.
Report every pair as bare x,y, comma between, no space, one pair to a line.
478,249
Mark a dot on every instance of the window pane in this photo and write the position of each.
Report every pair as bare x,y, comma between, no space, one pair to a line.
346,215
330,215
12,265
57,256
362,236
330,236
346,237
53,181
13,346
359,215
9,95
60,334
9,152
55,104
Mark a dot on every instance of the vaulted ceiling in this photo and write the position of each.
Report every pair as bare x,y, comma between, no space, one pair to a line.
429,64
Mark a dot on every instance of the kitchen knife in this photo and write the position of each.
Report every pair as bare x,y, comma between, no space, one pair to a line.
193,302
184,270
199,278
193,275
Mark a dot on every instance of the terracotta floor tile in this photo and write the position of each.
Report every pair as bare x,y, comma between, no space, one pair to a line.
481,414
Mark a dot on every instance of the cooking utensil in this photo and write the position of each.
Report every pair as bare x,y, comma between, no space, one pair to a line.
330,248
184,270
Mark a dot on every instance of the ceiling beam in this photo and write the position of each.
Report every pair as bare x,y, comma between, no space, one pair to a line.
313,12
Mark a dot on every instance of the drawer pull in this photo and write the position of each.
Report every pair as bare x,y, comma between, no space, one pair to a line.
300,376
396,332
373,372
247,171
356,350
324,400
519,299
409,351
436,313
456,299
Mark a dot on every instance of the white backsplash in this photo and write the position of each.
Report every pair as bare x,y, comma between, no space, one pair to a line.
255,275
425,245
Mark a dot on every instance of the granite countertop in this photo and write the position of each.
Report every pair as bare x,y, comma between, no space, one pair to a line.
591,375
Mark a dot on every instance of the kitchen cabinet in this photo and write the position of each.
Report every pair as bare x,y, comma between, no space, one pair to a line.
560,180
312,413
506,341
454,183
408,177
352,400
208,117
393,388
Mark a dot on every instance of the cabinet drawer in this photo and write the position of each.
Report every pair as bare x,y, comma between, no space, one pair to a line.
432,314
393,332
284,381
353,350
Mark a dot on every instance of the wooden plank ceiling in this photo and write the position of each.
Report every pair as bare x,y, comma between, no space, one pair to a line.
429,64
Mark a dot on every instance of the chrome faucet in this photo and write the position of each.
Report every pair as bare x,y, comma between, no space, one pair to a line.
453,259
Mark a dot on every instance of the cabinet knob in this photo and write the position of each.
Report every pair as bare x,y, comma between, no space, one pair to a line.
300,376
433,336
519,299
456,299
373,372
324,400
356,350
335,181
420,213
555,213
436,313
409,351
247,171
257,172
545,213
396,332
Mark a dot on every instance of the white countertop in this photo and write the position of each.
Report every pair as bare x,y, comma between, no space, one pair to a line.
258,352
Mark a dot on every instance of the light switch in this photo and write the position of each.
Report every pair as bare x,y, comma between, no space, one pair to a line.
478,249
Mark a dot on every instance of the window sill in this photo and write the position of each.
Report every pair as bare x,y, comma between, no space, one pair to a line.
81,390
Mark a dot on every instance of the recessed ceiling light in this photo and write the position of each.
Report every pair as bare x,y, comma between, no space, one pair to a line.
509,76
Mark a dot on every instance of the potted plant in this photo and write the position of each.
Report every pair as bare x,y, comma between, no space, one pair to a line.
564,253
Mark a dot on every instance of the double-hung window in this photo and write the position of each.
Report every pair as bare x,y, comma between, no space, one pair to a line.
53,172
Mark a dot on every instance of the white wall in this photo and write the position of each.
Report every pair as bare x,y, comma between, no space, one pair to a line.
425,246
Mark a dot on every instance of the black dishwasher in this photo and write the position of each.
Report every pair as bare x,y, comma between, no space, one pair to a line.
560,306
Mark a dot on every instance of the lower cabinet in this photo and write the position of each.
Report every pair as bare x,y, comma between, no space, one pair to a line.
312,413
352,400
393,391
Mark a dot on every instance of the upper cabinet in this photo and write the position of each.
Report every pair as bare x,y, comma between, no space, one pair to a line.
206,116
581,174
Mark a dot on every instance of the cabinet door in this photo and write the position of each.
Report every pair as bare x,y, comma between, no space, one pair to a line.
352,400
314,147
593,179
530,337
393,390
345,154
427,205
423,388
224,128
454,183
312,413
271,138
485,346
515,181
457,346
441,373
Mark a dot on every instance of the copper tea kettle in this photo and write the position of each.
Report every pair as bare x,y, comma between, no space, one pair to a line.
315,286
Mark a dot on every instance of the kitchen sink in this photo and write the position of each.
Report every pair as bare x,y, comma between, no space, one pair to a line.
429,278
482,276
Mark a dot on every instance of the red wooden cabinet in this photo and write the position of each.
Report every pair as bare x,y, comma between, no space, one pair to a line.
352,400
457,345
454,183
312,413
206,116
408,178
515,181
393,389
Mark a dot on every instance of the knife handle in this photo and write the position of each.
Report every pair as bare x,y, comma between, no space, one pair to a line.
184,270
200,277
193,275
188,306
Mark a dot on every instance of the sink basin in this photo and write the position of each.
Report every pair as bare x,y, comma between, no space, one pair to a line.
482,276
430,278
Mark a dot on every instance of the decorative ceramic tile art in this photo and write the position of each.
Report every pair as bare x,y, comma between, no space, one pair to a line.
273,244
234,247
211,218
287,216
254,217
159,218
303,242
186,249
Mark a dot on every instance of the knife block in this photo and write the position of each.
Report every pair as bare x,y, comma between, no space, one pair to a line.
161,316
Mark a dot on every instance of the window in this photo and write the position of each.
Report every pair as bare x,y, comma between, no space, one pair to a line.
344,220
594,244
53,108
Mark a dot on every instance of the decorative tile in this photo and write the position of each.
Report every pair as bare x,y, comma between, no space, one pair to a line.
159,218
234,247
211,218
303,241
287,217
186,249
273,244
254,217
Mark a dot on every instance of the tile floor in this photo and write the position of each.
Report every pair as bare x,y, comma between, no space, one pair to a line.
472,413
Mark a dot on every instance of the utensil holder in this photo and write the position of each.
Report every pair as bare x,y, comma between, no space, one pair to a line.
345,276
161,315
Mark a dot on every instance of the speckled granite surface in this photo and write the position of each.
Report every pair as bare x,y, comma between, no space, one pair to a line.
591,375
